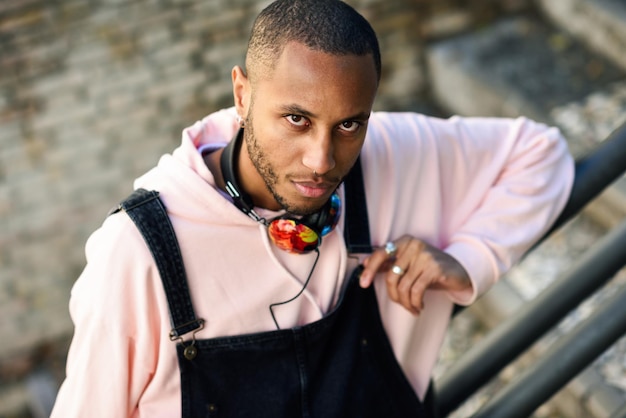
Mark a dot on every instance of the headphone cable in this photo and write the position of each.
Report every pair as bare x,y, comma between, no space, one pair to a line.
306,282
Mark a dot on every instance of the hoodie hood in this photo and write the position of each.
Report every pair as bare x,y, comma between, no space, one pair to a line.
186,185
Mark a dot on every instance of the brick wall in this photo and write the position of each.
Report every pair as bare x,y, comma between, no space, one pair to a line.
91,94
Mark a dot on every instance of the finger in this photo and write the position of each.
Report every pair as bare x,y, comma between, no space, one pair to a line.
371,265
392,279
405,287
430,274
416,294
414,283
411,288
379,260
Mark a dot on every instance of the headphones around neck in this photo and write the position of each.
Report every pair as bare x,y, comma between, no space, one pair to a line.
299,235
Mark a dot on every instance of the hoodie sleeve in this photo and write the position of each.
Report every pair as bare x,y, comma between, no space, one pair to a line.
482,189
117,329
532,173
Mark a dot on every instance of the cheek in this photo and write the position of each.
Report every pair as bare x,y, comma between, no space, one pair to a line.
278,152
278,145
346,154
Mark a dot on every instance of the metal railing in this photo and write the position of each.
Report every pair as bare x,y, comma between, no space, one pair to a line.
577,349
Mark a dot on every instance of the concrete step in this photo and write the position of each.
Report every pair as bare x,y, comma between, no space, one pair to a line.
600,24
526,66
516,66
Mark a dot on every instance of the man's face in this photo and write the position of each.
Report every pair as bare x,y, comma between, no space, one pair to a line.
305,126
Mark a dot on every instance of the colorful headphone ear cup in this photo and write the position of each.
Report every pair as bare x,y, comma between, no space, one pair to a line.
326,218
293,236
304,235
317,220
334,214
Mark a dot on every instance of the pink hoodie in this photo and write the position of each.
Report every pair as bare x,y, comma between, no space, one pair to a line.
481,189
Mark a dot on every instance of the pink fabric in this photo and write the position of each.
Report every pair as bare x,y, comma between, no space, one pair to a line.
481,189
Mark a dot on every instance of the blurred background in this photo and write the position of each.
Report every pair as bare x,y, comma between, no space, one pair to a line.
92,92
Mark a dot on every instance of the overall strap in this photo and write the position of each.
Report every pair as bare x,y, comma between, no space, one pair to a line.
356,229
148,213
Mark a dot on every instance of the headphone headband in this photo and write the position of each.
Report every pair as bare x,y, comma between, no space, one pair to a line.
228,163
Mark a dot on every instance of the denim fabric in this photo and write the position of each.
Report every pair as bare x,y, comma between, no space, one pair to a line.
340,366
149,214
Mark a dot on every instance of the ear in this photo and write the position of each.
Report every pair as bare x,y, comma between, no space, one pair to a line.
241,91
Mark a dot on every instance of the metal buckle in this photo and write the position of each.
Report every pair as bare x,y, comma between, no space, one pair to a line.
190,351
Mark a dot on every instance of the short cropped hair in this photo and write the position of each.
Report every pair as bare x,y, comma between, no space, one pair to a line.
329,26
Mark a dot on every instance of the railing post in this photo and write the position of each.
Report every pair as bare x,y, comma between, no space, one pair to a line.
562,362
595,172
504,343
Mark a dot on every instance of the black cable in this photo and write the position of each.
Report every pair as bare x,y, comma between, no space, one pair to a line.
306,282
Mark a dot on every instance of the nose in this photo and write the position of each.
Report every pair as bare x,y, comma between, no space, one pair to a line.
318,154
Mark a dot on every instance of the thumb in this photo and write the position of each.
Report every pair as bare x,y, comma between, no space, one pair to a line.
366,277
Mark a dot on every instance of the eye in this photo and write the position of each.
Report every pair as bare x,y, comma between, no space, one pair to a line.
297,120
350,126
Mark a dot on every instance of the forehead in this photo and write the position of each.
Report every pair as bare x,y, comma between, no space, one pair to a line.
317,80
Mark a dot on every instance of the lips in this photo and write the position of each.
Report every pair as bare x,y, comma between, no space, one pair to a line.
313,189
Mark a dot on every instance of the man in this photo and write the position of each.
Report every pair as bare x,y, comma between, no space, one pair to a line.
280,328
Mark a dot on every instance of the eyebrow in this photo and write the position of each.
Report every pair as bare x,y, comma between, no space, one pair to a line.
298,110
294,108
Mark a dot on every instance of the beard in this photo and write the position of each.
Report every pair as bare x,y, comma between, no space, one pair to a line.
264,167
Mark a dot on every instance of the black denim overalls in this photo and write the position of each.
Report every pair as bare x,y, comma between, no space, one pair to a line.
341,366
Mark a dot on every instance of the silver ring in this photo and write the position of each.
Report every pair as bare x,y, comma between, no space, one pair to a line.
397,270
391,249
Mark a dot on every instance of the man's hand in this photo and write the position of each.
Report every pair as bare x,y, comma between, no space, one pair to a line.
412,267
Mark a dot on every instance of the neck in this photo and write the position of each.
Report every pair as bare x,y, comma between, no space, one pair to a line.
212,161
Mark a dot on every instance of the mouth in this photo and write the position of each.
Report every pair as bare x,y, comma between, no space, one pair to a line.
314,190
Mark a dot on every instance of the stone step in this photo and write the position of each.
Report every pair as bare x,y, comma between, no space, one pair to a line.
516,66
525,66
601,24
